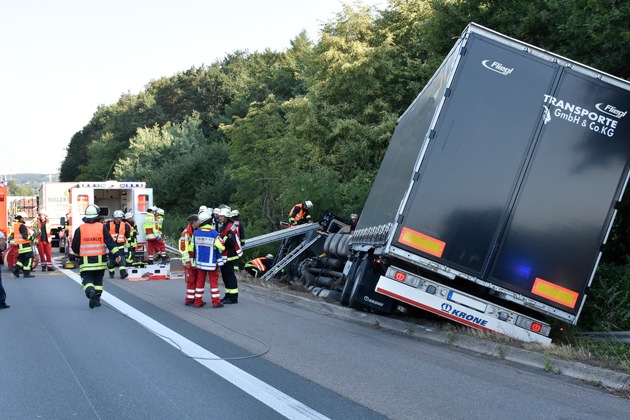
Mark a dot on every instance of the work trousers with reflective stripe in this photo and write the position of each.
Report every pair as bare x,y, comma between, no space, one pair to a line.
215,294
229,280
191,281
25,261
92,280
45,254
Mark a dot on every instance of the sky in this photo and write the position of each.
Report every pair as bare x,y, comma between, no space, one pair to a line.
61,59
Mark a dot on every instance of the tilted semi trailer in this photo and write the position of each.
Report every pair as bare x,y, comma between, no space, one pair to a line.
497,192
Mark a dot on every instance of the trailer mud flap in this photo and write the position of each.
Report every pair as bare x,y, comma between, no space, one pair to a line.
454,311
364,293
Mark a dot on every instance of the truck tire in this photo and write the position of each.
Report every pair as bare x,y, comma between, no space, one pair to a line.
332,245
326,246
342,246
353,300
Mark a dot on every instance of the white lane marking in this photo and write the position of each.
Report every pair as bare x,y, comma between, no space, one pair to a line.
263,392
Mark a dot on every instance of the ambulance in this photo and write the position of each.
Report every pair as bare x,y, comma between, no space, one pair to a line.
109,196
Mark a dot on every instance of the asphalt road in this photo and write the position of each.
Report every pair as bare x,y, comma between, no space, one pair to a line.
143,354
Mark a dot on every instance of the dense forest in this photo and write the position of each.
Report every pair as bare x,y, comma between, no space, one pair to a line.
261,131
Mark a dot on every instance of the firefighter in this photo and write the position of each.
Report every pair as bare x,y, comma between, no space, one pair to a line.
187,250
259,265
208,248
215,218
120,233
150,234
236,216
354,218
232,252
132,241
299,214
159,222
90,242
22,238
41,233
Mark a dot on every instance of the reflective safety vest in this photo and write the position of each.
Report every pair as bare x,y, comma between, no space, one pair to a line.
208,248
258,263
23,243
92,249
149,226
132,241
297,213
187,245
37,227
233,247
118,236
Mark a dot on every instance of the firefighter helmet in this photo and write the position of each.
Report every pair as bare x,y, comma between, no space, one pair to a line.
354,216
235,213
202,208
43,211
269,256
92,211
203,217
216,211
128,215
119,214
309,204
20,215
160,212
224,212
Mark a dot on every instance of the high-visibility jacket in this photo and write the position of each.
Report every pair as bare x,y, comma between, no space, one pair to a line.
132,240
233,247
42,230
91,241
21,238
298,213
259,264
118,231
149,226
187,245
208,248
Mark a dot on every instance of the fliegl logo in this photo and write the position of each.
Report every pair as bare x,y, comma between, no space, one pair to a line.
497,67
448,308
610,110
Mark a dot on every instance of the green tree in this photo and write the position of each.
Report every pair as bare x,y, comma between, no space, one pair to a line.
15,189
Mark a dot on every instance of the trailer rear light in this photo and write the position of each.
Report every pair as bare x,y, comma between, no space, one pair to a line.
534,326
400,276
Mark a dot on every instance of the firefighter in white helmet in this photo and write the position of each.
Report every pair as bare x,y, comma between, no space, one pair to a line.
232,252
159,222
43,238
91,242
299,214
150,234
121,232
132,242
22,239
208,246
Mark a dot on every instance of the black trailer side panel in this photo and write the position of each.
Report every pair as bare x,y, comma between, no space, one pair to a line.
552,242
394,175
459,205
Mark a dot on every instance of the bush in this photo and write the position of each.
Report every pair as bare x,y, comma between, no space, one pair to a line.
607,306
